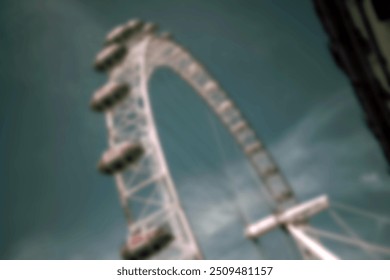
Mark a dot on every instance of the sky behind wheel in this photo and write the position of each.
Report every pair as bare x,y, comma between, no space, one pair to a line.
271,58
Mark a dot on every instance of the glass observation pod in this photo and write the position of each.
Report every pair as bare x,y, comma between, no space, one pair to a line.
123,32
108,96
109,57
142,246
119,157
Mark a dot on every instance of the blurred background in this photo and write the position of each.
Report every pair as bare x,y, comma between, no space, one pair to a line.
273,59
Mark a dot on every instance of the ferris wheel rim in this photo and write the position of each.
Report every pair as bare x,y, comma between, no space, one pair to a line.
123,55
144,49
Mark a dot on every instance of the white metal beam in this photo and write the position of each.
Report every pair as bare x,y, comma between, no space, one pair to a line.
294,214
313,246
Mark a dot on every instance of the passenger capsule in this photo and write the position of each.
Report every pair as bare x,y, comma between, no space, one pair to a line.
123,32
141,246
109,57
135,24
108,96
150,27
119,157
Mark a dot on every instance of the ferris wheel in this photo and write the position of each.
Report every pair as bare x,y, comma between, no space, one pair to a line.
158,227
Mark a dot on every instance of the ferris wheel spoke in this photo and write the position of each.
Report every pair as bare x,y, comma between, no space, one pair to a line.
348,230
348,240
361,212
145,180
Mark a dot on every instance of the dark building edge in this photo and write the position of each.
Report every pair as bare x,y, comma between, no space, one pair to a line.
350,50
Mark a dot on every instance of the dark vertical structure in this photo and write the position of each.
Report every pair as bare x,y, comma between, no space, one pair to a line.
359,41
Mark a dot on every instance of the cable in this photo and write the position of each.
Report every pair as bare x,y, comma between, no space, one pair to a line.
338,220
233,191
347,240
361,212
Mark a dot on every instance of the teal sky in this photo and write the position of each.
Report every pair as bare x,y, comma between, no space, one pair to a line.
271,57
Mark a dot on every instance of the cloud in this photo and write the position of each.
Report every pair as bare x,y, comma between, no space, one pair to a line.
330,150
371,178
214,201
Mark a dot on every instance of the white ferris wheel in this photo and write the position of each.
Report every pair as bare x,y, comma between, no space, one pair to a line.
157,225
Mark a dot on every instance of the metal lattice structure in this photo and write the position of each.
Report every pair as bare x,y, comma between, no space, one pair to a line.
146,189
